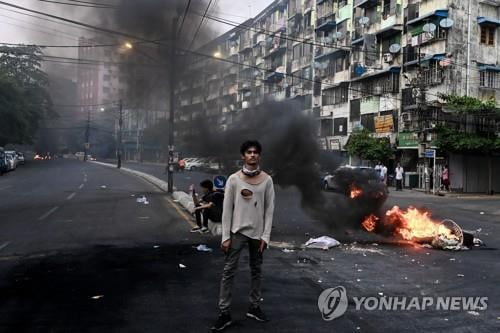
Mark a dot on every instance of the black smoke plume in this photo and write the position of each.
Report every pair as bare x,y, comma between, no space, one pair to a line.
292,155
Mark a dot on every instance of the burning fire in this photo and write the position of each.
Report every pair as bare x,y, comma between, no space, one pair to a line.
370,222
410,224
355,191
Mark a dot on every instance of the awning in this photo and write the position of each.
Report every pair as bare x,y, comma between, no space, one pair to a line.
392,69
327,26
392,30
488,20
364,3
437,56
275,76
334,53
436,13
358,41
489,68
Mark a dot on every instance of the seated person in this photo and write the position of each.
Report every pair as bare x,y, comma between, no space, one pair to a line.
210,207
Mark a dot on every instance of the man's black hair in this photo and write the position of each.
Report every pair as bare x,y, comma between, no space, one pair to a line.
250,143
207,183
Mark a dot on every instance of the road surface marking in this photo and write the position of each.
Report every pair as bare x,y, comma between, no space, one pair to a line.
50,212
181,213
71,196
81,186
4,245
5,187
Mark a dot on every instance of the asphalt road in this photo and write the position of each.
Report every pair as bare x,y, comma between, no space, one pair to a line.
79,257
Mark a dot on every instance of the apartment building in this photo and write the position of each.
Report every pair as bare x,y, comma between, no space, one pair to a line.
373,64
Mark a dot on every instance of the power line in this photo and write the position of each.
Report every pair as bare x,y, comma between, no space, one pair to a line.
199,26
79,4
109,31
184,17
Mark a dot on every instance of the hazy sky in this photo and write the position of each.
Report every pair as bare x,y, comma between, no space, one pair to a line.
18,28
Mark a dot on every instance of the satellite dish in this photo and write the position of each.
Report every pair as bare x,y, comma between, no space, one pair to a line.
339,35
446,23
429,27
364,20
395,48
328,40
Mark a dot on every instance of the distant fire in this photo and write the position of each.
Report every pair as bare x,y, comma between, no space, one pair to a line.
370,223
355,192
411,224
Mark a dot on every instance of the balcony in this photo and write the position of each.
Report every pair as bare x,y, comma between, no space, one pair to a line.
326,23
246,46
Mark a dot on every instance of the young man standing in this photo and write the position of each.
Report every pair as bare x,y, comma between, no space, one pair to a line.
246,220
210,207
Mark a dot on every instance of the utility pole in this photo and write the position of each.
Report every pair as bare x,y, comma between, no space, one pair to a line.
467,75
87,136
120,126
172,82
421,108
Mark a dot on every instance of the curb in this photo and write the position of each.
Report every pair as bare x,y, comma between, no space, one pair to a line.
180,197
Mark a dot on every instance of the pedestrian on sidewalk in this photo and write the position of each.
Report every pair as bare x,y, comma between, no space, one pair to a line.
247,219
383,174
209,208
446,178
399,177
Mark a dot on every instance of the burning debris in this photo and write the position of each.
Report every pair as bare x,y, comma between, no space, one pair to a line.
417,226
355,191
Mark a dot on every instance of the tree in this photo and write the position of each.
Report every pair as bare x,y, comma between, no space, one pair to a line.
24,99
366,147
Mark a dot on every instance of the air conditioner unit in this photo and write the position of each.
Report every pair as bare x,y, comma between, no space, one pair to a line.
388,58
406,117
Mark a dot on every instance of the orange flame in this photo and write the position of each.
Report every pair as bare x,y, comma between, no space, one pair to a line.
370,222
413,224
355,192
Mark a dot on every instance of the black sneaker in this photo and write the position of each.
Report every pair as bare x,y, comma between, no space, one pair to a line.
222,322
257,314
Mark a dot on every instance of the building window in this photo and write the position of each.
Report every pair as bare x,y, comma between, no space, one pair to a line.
488,35
297,51
489,80
337,95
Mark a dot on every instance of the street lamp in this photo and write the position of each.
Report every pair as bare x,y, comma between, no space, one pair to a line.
128,45
217,55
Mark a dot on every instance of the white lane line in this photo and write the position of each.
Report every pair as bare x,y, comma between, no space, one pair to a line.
4,245
50,212
71,196
5,187
81,186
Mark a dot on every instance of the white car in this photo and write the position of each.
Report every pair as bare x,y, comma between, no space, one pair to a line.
20,158
11,162
194,164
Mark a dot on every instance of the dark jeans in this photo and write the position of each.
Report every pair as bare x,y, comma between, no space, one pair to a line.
399,184
206,214
238,242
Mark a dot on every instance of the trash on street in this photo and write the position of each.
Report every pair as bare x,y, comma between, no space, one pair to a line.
323,243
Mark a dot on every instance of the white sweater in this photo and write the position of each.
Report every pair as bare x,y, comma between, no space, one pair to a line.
251,216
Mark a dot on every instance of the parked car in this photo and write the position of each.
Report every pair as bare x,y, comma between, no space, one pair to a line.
344,178
194,164
3,163
11,162
20,158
